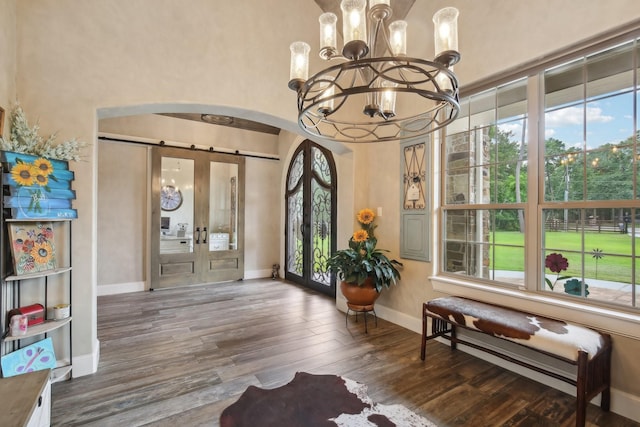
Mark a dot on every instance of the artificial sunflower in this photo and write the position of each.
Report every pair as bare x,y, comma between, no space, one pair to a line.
360,236
41,252
23,174
366,216
44,166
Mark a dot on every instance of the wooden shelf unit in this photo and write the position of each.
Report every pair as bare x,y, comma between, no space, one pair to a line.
13,285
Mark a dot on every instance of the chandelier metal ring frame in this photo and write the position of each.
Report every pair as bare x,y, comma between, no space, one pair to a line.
419,78
377,93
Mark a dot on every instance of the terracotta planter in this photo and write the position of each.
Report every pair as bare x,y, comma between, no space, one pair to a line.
360,298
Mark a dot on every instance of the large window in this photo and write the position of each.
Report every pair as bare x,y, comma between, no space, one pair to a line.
569,194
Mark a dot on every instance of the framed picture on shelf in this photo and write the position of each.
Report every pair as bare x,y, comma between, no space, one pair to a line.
32,247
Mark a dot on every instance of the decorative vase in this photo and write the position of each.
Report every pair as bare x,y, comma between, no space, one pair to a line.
360,298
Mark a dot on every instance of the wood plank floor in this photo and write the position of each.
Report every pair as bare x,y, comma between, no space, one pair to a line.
179,357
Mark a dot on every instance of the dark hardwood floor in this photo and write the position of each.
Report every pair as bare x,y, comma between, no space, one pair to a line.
179,357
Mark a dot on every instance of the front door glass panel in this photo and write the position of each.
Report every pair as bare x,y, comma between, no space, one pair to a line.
320,217
295,187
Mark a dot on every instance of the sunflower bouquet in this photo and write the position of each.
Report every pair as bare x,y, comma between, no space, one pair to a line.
362,259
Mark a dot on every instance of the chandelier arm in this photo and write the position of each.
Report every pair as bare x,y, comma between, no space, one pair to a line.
387,40
376,28
369,74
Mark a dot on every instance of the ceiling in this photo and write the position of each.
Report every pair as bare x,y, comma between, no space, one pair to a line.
220,120
400,10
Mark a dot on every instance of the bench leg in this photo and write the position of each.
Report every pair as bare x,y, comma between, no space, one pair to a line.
605,397
439,328
605,400
581,390
454,343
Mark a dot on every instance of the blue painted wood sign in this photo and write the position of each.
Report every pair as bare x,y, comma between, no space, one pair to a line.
39,188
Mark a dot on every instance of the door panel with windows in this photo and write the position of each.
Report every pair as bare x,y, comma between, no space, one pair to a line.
197,218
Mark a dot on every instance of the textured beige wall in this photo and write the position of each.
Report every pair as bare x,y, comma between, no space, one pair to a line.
122,213
496,35
7,58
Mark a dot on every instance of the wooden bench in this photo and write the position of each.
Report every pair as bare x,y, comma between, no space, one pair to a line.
585,348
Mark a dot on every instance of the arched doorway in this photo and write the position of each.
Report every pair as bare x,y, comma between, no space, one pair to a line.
311,217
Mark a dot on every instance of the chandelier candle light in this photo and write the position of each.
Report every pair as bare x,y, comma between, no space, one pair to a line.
376,92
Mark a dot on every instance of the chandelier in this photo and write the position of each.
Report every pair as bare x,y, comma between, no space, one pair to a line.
376,92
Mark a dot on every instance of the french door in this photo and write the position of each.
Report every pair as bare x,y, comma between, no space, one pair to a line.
197,217
311,213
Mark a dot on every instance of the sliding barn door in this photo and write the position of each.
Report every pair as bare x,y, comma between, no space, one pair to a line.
197,218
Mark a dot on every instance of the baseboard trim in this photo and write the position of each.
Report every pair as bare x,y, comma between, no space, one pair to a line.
87,364
622,403
125,288
257,274
121,288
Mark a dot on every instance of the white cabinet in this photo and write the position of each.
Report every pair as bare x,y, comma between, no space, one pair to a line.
41,416
219,241
175,245
26,400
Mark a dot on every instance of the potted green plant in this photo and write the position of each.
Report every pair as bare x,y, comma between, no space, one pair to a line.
363,265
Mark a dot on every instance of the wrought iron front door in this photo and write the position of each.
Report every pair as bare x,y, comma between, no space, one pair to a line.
311,207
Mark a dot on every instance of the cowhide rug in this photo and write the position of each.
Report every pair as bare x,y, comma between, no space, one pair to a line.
316,400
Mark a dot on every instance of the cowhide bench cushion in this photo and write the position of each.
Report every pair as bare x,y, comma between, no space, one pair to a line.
541,333
590,350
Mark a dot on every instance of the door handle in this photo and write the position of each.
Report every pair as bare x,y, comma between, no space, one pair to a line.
204,239
198,235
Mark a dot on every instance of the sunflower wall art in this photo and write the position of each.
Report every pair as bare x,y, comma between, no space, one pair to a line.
32,247
39,188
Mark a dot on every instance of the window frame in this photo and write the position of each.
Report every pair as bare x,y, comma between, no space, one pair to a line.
617,320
